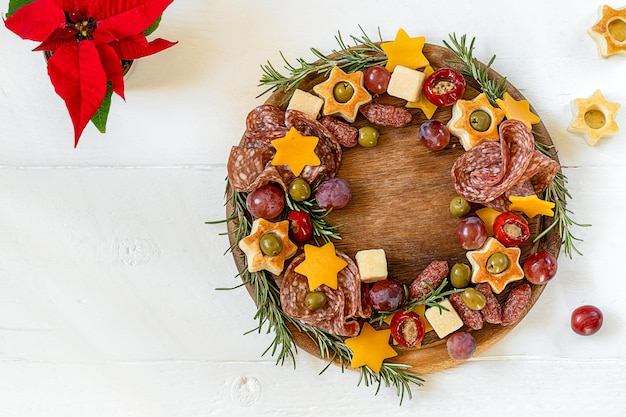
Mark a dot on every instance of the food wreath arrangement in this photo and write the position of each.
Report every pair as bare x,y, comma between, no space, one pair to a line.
394,207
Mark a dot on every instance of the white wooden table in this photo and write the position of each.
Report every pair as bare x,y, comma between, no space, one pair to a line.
108,272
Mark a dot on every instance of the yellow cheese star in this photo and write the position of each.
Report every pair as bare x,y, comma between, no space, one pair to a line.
531,205
460,124
347,109
518,110
609,32
370,348
256,260
423,103
296,151
321,265
405,51
498,281
594,118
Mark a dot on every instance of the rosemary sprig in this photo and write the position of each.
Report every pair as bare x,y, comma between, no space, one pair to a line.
395,375
430,299
322,228
470,66
365,53
271,315
494,89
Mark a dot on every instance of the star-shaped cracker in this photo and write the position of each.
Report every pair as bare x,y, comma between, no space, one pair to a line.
609,32
257,260
371,347
321,265
460,126
531,205
405,51
517,110
296,151
350,108
594,118
478,259
423,103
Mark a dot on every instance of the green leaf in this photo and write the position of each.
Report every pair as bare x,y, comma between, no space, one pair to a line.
99,119
152,27
16,4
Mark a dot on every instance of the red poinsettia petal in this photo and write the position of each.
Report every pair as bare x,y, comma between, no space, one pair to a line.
129,48
79,79
126,17
36,20
113,68
103,36
74,5
57,38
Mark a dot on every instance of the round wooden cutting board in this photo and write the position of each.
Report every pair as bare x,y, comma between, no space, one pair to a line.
400,202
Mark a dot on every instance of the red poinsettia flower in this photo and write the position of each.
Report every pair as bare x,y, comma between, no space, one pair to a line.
88,40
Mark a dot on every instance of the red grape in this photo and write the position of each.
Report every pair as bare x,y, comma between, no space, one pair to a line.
461,345
434,135
540,267
586,320
471,233
333,193
266,202
387,295
376,79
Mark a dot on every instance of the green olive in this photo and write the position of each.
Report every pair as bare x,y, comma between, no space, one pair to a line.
271,244
480,120
474,299
299,189
496,263
460,275
459,206
368,136
343,91
315,300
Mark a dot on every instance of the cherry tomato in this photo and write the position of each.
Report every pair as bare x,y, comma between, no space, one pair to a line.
540,267
511,229
586,320
300,226
471,233
407,328
376,79
444,86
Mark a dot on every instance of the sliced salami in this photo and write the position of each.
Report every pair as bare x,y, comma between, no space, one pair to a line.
346,135
264,124
487,172
431,277
471,318
343,306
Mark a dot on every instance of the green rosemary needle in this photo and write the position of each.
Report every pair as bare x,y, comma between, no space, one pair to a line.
365,53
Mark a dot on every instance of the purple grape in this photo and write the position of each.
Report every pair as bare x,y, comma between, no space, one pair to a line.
461,345
333,193
387,295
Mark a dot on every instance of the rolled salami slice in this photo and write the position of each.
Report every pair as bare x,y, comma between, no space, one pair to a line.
343,305
488,172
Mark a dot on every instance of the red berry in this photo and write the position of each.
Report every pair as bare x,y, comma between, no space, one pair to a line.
540,267
586,320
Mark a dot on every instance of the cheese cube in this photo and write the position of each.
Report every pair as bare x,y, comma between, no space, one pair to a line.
444,322
406,83
307,103
372,264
